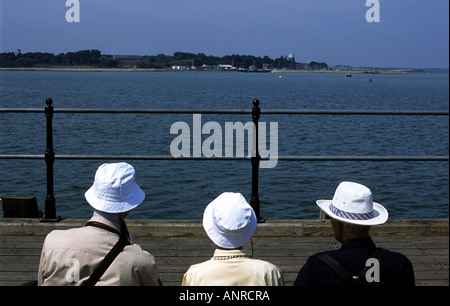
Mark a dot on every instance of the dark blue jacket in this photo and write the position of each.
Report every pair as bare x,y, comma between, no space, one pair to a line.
394,267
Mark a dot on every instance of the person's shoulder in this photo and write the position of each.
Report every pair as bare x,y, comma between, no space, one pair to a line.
316,257
201,265
59,238
268,265
396,257
137,256
64,232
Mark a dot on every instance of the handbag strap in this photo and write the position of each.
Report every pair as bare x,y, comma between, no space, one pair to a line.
109,258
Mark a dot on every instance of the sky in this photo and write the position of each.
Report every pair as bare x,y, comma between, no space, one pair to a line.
409,34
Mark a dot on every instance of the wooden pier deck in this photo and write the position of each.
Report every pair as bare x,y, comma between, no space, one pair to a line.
177,244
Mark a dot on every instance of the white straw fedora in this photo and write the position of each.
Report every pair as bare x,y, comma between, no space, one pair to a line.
229,220
115,189
353,203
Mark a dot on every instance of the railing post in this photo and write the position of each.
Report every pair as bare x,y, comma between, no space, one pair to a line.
50,206
254,201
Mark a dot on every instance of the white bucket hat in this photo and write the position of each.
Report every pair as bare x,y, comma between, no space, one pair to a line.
353,203
229,220
115,189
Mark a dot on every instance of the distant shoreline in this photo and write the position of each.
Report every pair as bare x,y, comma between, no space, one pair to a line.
93,69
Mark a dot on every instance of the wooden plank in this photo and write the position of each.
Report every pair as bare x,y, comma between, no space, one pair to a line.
20,267
14,276
7,260
194,228
19,252
177,247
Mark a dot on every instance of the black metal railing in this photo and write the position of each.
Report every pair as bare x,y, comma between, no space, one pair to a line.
50,156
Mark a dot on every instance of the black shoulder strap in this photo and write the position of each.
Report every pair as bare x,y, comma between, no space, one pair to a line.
106,262
109,258
378,254
102,226
334,265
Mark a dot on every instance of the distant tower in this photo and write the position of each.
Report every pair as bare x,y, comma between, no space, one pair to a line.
114,52
291,61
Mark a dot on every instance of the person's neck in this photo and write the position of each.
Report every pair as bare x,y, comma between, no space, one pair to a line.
108,216
225,249
350,236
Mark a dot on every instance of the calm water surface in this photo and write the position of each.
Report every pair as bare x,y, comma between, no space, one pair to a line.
181,189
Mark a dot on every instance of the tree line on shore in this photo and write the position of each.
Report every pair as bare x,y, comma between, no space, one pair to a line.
94,58
91,58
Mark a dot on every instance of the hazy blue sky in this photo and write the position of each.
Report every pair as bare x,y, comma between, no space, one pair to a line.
411,33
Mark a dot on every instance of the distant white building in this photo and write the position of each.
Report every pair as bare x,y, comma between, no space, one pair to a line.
226,67
178,67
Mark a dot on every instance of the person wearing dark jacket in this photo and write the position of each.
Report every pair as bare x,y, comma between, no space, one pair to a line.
352,212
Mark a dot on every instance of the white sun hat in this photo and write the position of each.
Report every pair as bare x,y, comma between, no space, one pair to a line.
353,203
115,189
229,220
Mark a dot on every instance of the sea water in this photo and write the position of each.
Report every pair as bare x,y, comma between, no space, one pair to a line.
178,189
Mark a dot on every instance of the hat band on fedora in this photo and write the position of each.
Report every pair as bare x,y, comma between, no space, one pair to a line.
348,215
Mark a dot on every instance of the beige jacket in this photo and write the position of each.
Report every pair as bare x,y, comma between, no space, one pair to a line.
69,257
233,268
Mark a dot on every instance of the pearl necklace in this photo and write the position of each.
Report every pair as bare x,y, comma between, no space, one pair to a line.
230,257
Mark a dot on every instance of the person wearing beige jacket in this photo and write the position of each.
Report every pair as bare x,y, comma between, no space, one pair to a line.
70,257
229,221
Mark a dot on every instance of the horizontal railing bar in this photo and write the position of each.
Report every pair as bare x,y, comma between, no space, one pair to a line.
22,156
363,158
155,111
232,111
117,157
21,110
128,111
279,158
355,112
